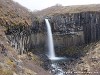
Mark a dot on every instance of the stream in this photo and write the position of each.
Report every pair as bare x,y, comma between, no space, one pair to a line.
56,68
59,67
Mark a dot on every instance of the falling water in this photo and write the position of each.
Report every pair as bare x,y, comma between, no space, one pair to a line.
50,40
51,55
54,66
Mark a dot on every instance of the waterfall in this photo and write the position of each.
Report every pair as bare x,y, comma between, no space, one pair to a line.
50,40
51,55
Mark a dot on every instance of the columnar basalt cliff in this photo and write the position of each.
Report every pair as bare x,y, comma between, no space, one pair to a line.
77,29
70,30
86,23
23,39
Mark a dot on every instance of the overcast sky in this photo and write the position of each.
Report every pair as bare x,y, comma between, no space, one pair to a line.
42,4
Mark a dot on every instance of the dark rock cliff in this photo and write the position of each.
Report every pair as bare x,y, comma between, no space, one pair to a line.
70,30
86,22
71,26
77,29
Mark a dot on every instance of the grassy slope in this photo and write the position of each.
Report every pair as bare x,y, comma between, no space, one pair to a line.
14,64
67,9
11,13
90,63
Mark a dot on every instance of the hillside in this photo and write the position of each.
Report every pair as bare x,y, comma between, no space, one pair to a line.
11,63
24,49
90,63
11,13
67,9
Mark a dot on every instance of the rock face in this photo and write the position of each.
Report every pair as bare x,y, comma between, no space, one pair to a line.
24,38
86,22
69,30
90,22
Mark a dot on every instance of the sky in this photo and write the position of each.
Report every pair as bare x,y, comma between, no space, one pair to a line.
42,4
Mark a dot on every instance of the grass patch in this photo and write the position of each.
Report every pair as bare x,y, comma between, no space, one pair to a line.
6,72
9,62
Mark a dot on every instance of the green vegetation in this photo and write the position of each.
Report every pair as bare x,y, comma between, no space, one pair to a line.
6,72
11,13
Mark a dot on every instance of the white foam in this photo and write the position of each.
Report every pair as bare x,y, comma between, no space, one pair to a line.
57,58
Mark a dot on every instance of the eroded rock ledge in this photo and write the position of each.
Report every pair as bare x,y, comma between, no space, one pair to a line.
70,30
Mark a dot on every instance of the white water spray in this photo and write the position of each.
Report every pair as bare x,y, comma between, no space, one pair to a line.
51,55
50,40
